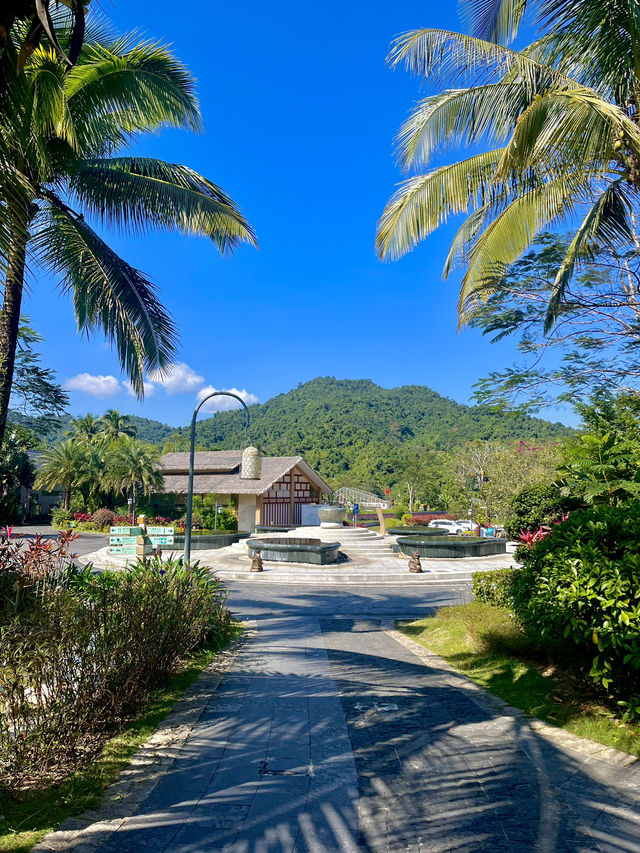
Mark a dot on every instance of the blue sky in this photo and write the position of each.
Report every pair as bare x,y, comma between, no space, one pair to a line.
300,113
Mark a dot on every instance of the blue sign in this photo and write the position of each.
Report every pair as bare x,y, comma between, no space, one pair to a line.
356,509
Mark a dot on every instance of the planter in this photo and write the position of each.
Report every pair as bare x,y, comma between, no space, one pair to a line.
291,550
451,546
331,516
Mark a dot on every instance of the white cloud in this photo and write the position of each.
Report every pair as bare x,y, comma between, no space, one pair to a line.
97,386
149,388
178,379
223,404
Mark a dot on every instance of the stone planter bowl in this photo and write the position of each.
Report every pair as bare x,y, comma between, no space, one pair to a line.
331,516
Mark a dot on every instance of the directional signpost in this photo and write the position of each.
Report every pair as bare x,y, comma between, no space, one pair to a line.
133,541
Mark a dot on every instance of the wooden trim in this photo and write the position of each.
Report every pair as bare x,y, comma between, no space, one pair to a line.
292,495
259,510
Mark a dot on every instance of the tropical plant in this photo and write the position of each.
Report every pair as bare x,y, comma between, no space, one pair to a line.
60,132
84,428
34,390
61,465
114,425
133,467
602,469
580,588
560,120
16,470
37,16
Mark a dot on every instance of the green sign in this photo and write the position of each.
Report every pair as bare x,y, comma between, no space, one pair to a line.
160,531
161,540
125,531
123,540
123,549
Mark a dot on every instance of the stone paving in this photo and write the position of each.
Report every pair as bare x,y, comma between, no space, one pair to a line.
328,734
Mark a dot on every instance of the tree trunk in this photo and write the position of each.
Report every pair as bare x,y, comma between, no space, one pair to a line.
67,498
10,320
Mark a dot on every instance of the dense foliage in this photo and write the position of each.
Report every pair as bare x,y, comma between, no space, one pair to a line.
580,587
537,506
495,587
357,433
79,653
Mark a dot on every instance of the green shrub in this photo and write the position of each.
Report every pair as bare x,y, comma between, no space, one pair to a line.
495,587
580,586
82,660
61,517
535,506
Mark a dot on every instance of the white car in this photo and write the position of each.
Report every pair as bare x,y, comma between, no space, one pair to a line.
448,525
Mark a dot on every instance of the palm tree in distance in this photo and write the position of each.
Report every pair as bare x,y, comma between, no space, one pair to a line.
134,467
560,119
60,132
114,425
62,464
83,429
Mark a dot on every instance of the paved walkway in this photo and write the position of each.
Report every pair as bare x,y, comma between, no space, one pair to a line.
328,734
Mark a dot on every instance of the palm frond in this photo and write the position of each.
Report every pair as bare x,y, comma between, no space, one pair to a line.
123,89
141,192
607,222
108,293
463,116
444,55
568,129
494,20
425,201
510,233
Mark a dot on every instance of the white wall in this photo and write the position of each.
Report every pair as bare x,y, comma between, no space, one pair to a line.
247,512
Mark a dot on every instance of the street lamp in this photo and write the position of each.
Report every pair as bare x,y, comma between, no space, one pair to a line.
192,449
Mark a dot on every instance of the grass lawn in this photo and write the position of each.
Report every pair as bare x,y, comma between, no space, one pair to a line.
484,643
38,811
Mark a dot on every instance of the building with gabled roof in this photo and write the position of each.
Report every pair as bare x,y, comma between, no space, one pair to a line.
273,499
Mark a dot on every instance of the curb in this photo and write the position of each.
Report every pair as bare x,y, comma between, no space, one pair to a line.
120,800
561,739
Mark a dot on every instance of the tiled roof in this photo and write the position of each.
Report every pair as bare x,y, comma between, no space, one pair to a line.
218,472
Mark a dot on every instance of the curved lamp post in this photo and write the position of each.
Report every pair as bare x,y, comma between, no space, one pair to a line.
192,449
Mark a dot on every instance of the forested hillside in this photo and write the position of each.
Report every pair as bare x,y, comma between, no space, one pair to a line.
53,429
356,433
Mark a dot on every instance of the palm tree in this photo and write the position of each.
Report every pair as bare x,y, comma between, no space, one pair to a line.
62,464
114,425
133,466
60,131
36,15
83,429
561,122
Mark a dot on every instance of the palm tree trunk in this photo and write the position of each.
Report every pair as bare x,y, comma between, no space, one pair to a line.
10,319
67,498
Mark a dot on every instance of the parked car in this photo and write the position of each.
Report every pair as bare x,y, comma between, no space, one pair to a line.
466,525
452,527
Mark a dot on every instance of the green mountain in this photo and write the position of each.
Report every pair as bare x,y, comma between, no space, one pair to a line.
353,431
